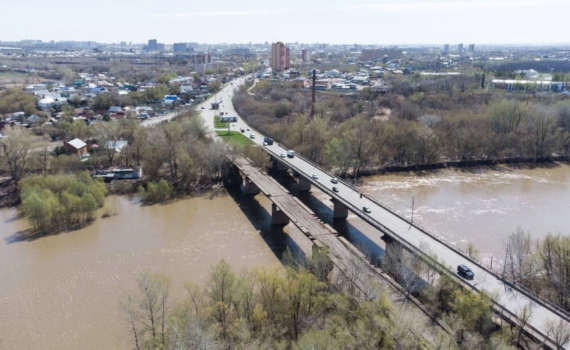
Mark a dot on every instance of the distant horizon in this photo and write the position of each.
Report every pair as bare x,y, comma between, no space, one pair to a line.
389,22
451,44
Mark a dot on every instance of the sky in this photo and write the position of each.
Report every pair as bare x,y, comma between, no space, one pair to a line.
380,22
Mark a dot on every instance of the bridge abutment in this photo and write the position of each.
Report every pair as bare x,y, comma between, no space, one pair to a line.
249,187
340,211
278,217
278,167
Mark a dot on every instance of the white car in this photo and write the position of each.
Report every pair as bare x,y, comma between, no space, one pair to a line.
282,155
251,136
334,180
315,176
366,210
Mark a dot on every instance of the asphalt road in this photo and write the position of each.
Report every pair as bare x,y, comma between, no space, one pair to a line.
512,300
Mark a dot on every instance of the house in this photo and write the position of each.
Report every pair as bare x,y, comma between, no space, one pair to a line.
186,89
117,145
76,146
121,173
46,103
115,109
169,99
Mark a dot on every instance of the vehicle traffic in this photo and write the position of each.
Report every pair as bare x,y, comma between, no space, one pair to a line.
291,154
251,136
335,189
465,272
268,140
315,176
366,210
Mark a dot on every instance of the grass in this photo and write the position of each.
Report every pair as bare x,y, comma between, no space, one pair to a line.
218,124
13,75
235,138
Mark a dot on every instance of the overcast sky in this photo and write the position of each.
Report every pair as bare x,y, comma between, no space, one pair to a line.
306,21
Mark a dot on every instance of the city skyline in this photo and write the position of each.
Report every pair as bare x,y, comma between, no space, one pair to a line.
382,22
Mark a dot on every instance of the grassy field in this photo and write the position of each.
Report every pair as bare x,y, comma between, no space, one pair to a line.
235,138
218,124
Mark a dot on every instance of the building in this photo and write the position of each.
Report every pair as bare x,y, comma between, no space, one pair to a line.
181,48
279,57
530,85
375,54
240,51
471,47
445,50
152,45
306,55
75,146
202,58
460,48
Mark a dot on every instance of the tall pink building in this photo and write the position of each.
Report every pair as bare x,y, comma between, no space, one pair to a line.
279,57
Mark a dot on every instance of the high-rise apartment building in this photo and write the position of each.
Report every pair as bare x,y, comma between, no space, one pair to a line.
460,48
471,47
306,55
445,50
279,57
202,58
152,45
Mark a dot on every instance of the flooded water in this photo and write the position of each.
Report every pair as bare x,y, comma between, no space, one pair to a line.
481,205
63,291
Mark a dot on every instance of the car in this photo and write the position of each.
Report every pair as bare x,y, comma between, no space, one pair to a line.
282,155
221,113
366,210
242,130
251,136
291,154
315,176
465,272
335,189
247,129
203,108
268,140
334,180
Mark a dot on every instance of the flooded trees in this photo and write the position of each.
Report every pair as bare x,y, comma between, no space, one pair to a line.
15,152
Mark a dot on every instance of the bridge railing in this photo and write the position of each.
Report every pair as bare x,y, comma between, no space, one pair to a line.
515,286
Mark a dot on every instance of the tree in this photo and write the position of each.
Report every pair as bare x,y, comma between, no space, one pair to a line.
505,116
221,289
15,151
108,134
153,304
558,332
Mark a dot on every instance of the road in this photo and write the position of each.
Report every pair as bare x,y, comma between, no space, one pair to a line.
510,301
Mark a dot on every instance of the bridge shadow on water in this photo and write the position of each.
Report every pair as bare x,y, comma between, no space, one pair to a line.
344,228
275,237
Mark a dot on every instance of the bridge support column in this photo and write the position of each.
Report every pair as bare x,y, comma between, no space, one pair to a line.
340,211
249,187
303,184
277,216
393,257
278,167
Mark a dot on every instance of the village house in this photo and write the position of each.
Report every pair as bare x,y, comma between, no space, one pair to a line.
76,146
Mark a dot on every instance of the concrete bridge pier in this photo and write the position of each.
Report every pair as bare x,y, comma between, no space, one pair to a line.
340,211
249,187
278,167
393,257
277,216
303,184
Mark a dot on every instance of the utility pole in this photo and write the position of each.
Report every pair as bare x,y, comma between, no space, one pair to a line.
412,221
313,97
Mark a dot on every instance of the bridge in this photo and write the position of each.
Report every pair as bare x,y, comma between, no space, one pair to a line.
398,233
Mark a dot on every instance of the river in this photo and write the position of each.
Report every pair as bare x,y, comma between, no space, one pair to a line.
63,291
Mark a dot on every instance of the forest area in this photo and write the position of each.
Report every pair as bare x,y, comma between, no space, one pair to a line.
420,121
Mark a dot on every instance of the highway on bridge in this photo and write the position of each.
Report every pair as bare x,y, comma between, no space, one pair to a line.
509,301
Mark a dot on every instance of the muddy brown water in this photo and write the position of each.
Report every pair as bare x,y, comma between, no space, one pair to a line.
63,291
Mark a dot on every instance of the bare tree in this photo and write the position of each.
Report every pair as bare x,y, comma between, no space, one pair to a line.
15,151
558,332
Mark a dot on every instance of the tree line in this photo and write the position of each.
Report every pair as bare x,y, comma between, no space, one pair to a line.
420,122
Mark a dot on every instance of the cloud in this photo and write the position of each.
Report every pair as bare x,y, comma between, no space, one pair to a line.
453,5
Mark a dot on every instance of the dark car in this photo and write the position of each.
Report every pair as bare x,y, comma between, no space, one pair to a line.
268,140
465,272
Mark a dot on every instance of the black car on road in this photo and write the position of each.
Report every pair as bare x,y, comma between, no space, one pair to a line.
465,272
268,140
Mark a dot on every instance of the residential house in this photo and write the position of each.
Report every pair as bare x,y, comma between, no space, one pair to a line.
76,146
